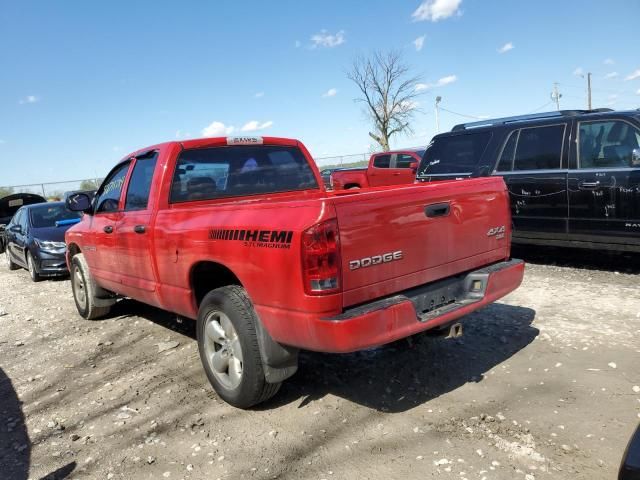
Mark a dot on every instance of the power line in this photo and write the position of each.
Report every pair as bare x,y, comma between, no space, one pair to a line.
540,108
462,114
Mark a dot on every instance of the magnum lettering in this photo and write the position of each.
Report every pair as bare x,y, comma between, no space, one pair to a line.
255,238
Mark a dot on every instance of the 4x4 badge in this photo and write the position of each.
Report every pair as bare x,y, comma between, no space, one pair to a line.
497,232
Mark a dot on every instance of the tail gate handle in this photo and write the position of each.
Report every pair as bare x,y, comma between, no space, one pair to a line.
437,209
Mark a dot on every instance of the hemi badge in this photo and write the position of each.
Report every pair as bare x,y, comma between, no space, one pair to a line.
244,140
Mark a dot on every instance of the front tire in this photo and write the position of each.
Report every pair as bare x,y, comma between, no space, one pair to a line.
31,267
229,351
84,289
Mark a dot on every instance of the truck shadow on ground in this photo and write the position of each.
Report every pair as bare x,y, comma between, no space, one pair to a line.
394,377
15,445
625,262
404,374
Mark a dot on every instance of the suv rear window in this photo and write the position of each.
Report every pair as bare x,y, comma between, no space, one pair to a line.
454,154
218,172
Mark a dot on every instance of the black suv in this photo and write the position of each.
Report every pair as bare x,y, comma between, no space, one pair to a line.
573,175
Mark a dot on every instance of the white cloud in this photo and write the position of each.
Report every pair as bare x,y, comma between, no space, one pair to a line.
506,47
611,75
578,71
409,105
254,125
419,43
325,39
29,99
435,10
181,135
259,95
440,83
609,61
633,75
298,44
446,80
638,92
217,129
330,93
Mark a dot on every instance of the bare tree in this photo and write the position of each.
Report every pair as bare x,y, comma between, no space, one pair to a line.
389,92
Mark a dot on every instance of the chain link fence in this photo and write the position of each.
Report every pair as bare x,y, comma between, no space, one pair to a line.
56,190
52,190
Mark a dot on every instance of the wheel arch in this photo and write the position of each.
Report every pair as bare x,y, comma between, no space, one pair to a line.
207,275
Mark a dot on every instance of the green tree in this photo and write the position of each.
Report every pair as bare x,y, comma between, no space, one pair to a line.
88,185
4,191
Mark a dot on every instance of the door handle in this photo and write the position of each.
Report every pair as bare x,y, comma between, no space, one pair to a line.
139,229
437,210
396,174
108,229
588,185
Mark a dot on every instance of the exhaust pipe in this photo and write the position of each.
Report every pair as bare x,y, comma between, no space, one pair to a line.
455,331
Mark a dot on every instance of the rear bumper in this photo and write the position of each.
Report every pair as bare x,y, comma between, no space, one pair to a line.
392,318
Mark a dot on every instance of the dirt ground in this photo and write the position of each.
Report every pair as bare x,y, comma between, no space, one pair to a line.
544,384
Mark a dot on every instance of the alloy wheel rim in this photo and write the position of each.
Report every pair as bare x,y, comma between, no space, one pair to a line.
222,349
79,290
30,264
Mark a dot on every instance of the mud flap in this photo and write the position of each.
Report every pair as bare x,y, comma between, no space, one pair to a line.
279,361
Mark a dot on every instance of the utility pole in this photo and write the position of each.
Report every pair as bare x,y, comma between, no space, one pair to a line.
589,91
438,100
556,95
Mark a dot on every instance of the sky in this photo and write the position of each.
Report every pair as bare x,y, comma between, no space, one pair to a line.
84,83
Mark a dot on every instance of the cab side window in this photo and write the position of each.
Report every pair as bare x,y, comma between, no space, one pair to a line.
140,183
404,161
607,144
108,196
539,148
382,161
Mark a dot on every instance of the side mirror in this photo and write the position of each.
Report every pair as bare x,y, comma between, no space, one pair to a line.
79,202
15,229
414,166
630,468
635,157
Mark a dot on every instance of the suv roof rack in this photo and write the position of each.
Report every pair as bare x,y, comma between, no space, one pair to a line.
524,118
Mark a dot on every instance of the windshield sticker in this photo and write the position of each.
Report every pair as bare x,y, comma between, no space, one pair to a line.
255,238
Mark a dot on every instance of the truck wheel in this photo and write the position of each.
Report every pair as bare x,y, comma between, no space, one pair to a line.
228,345
10,264
84,289
31,266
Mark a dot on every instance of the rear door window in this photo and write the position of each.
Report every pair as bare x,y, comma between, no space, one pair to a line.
403,160
218,172
539,148
458,154
382,161
607,144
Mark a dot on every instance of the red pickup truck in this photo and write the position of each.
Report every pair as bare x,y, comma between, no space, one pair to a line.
239,234
385,168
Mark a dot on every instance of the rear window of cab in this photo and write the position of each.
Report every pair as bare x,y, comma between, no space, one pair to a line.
456,154
230,171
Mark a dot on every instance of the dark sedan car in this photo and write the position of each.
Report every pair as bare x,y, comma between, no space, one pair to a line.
35,239
9,205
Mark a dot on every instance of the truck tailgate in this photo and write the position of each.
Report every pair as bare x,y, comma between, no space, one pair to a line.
393,239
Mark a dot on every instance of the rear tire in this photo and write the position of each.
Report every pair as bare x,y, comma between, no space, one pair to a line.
10,264
31,267
229,351
84,289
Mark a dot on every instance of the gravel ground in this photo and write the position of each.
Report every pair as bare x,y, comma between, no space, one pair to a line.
545,384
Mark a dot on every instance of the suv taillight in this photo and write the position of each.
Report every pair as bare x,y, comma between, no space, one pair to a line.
321,258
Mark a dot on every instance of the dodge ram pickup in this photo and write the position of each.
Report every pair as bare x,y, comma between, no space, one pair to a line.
239,234
385,168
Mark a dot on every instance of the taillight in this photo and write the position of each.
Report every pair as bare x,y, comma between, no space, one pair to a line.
321,258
